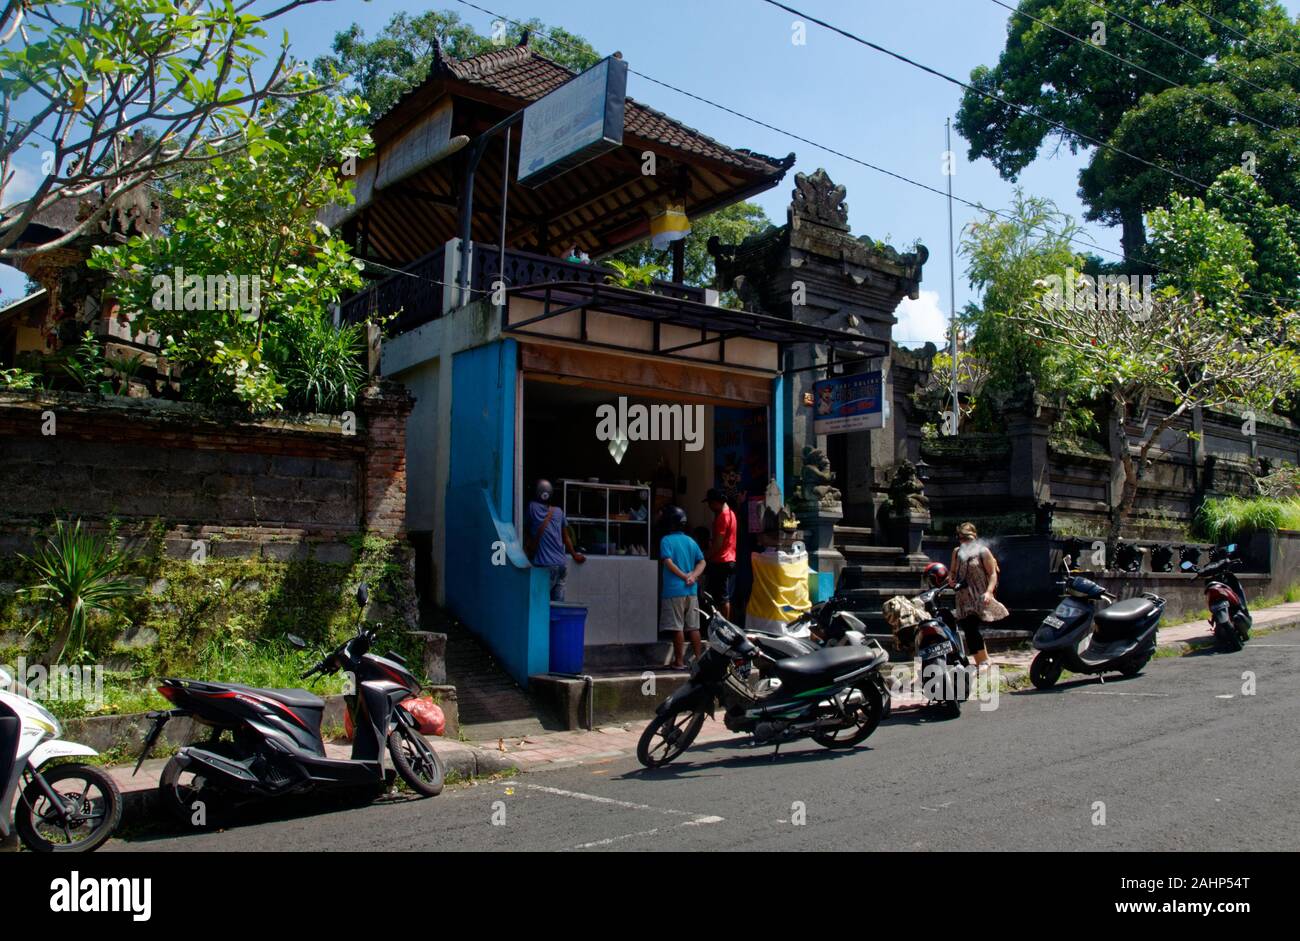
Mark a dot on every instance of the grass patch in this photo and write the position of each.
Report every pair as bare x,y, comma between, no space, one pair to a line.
1225,517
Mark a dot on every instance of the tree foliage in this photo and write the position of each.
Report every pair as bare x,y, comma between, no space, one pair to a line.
252,214
115,93
1194,126
1007,255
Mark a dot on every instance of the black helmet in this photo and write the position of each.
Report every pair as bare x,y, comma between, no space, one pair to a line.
675,518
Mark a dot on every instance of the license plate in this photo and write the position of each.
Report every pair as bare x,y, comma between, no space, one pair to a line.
1053,622
936,650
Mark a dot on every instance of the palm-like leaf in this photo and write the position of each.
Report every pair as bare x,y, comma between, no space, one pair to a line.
77,573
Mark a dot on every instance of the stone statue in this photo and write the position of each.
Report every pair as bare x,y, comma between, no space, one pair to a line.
816,481
818,199
906,492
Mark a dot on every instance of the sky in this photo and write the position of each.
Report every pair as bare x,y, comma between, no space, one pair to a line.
831,90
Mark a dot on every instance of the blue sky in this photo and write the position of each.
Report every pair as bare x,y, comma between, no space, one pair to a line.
834,91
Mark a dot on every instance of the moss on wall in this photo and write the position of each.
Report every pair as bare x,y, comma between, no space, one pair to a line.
226,619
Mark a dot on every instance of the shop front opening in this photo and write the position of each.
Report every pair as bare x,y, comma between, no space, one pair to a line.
613,479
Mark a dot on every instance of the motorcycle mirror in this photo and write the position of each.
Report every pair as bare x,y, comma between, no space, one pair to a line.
363,594
296,641
1188,566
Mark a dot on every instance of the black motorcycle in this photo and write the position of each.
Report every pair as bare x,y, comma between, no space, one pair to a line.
1225,597
1121,637
267,742
946,672
832,695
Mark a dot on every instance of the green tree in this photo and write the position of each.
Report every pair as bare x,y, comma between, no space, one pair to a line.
1178,351
380,70
115,93
1190,130
1007,255
731,225
252,214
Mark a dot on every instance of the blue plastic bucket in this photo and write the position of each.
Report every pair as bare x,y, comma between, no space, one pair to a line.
568,634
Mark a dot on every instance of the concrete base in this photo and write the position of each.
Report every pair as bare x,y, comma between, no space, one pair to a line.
614,699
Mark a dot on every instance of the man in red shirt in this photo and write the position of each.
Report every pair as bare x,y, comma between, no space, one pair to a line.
720,576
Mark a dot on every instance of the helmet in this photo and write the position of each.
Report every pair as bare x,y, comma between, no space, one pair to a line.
936,573
674,518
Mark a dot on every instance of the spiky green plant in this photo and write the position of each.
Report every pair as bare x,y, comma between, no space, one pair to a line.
77,573
633,276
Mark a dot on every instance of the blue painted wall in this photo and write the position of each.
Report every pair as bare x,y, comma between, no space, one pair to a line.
780,432
506,604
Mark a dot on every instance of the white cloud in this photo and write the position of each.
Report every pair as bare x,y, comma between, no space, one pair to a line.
921,321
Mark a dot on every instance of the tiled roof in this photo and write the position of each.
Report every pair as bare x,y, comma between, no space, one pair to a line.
523,74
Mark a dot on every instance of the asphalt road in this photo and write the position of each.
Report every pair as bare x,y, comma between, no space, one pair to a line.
1180,758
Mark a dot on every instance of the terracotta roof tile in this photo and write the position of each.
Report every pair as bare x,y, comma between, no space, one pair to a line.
521,73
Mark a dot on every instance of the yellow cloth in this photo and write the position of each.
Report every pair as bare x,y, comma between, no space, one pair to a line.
780,591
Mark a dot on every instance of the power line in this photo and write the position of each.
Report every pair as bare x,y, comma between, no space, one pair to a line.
1005,214
1238,33
1217,66
1133,65
1028,112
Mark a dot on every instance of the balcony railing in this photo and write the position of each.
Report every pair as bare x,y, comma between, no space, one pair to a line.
416,295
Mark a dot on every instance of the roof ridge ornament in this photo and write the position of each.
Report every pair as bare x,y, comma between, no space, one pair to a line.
818,199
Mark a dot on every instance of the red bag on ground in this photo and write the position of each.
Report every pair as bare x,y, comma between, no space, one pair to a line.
428,715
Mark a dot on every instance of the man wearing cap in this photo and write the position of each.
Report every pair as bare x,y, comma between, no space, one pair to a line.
547,539
720,576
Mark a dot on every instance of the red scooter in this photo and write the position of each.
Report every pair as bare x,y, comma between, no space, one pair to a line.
1229,614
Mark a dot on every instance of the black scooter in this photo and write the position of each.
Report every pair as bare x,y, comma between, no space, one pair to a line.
267,742
1229,613
1123,641
832,695
946,672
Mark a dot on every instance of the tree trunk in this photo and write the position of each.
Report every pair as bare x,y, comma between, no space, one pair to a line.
1133,236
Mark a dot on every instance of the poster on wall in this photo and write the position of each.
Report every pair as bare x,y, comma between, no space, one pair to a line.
740,454
849,403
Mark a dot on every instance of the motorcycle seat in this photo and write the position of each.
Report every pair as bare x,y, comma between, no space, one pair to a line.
299,698
830,661
1125,613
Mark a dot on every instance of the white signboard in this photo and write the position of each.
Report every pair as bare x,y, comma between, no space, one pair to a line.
580,120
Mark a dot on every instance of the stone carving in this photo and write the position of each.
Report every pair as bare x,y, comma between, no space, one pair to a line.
906,492
819,199
816,481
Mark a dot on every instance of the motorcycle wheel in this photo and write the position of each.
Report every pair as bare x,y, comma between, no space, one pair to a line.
667,736
92,817
181,790
865,721
415,760
1136,664
1044,671
1228,636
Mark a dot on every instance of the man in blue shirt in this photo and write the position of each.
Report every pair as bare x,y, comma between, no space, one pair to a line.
679,607
547,539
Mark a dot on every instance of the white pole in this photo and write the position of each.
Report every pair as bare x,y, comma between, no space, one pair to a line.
952,282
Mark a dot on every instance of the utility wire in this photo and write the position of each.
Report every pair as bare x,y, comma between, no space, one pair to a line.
1005,214
1217,66
1239,34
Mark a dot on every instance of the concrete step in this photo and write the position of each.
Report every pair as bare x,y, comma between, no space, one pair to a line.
842,530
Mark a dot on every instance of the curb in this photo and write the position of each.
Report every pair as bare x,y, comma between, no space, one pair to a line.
1182,648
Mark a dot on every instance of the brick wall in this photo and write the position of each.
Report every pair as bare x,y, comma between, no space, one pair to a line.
281,488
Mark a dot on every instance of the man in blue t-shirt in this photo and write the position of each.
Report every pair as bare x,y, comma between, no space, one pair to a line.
679,607
548,532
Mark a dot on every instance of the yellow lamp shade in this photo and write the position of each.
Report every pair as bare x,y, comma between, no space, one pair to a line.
668,226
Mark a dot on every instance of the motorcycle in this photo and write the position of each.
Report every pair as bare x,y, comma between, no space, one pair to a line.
1123,641
1229,613
824,625
63,808
946,672
267,742
831,695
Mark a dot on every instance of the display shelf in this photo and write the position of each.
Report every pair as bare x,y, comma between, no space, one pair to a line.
603,517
